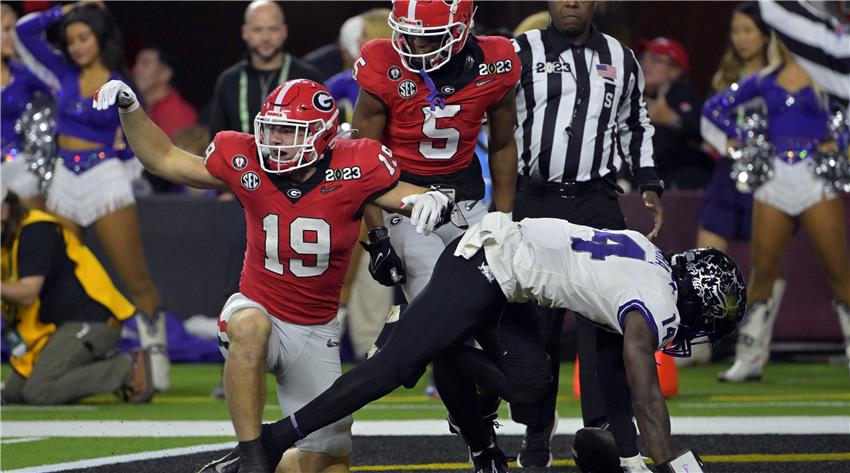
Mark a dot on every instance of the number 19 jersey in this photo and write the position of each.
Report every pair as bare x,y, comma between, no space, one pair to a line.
300,236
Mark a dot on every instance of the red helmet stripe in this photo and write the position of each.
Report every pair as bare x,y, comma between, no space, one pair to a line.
411,9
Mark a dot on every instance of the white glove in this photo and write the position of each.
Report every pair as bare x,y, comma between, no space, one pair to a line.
118,93
427,209
634,464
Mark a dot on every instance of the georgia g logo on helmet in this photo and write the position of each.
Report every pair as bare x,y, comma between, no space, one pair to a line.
323,101
295,125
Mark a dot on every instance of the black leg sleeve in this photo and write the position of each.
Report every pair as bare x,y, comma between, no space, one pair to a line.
593,408
449,310
540,414
458,393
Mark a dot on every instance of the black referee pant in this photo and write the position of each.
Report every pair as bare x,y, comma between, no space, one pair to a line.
605,395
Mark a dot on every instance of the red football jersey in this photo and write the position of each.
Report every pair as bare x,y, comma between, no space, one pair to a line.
300,236
430,143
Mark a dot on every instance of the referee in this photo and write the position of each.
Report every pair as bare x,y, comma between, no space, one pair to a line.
581,111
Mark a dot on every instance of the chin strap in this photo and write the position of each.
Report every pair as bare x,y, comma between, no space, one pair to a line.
341,135
435,98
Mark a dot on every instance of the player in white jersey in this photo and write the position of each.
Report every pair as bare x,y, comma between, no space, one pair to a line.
654,303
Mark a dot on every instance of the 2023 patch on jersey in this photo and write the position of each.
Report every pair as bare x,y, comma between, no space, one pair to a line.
300,236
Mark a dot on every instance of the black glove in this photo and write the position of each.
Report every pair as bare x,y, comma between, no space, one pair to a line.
685,460
385,266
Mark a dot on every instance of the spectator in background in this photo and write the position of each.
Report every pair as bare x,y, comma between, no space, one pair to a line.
19,85
241,89
675,112
341,85
797,117
726,213
153,74
356,32
92,184
64,316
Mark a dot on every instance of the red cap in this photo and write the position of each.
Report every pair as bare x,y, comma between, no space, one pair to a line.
671,48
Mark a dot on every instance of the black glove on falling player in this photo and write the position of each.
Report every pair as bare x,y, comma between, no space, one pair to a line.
385,265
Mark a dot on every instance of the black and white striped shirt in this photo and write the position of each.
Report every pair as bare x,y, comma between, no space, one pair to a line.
580,109
821,45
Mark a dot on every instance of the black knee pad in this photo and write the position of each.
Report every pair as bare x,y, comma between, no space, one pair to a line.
530,376
595,451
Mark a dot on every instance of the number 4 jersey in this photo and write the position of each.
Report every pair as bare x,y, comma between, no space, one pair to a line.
439,142
600,274
300,236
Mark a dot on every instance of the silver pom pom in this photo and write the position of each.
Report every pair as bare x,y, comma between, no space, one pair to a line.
37,127
752,164
833,165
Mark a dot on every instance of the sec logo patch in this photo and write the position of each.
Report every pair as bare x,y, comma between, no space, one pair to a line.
250,180
239,162
407,89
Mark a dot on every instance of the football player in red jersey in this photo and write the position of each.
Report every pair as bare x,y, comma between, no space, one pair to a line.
303,190
425,93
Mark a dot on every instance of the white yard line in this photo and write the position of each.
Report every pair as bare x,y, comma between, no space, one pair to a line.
172,452
680,426
21,440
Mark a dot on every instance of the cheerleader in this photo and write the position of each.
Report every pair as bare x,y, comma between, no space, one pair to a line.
92,184
797,117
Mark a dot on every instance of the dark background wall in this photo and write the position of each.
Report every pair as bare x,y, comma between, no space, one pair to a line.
194,250
206,35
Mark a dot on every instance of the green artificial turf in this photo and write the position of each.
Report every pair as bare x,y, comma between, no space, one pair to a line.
787,389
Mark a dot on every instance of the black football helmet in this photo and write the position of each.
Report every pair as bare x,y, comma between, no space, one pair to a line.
712,298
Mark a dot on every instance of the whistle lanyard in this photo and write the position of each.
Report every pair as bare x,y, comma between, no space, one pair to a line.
243,91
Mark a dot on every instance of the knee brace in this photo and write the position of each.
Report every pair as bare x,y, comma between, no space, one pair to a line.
529,375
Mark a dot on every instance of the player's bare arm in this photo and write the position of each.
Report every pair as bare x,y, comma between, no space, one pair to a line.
24,291
369,119
150,144
649,406
503,151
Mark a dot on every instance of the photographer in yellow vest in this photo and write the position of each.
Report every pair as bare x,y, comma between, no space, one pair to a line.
63,316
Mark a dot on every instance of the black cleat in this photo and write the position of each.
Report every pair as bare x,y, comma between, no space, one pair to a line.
491,460
226,464
536,450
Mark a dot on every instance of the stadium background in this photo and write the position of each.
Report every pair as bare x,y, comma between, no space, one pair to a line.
183,239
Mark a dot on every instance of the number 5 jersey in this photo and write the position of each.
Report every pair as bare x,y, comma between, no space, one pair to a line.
436,145
300,236
600,274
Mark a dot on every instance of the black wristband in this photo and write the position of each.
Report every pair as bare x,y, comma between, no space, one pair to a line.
377,233
656,185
